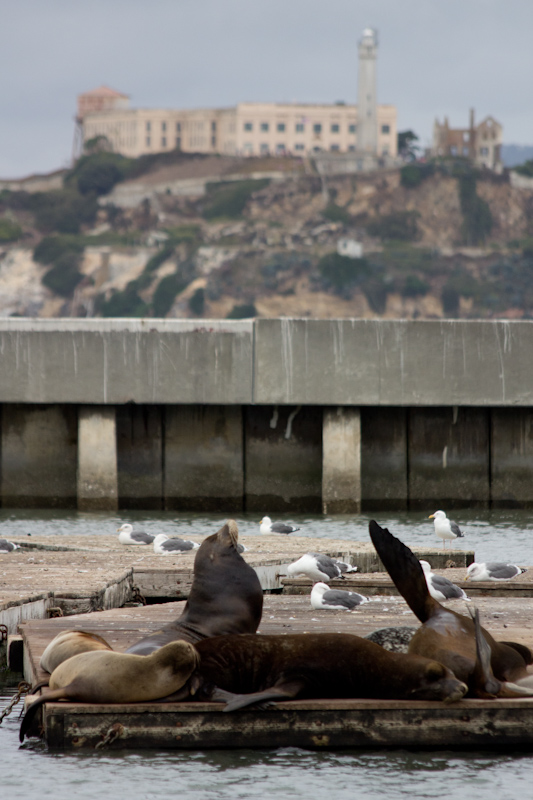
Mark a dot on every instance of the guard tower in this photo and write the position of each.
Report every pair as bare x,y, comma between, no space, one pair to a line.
367,126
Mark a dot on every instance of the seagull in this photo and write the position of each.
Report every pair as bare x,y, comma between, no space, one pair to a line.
267,526
126,535
493,571
440,588
319,567
335,599
444,527
7,546
163,545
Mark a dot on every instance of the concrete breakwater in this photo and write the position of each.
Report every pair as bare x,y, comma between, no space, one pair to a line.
278,414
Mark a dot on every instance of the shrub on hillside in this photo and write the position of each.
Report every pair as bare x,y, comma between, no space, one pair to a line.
165,293
98,172
124,304
244,311
400,226
412,175
229,199
10,231
197,302
336,213
64,211
52,248
414,286
477,217
342,274
64,276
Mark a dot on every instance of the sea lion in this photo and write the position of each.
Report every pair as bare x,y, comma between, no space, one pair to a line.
247,669
225,597
70,643
445,635
105,676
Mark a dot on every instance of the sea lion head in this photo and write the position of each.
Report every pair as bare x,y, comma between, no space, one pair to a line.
437,682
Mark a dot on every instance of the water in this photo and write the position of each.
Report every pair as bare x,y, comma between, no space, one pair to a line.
493,535
30,771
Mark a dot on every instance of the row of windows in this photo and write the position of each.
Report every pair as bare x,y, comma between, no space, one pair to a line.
299,127
265,148
196,125
164,140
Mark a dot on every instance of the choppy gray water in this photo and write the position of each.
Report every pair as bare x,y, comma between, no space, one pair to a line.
32,772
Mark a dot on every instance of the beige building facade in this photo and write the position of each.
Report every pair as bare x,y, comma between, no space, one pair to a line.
246,129
480,143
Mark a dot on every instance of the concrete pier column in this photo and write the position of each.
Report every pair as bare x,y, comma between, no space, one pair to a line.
341,460
203,458
38,456
97,459
448,458
140,456
384,458
512,457
283,459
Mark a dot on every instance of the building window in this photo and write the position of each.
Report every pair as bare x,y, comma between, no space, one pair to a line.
351,148
352,128
335,128
281,127
213,141
299,146
213,126
264,148
178,127
264,126
164,127
483,151
280,149
334,148
248,126
317,127
300,127
453,150
148,127
248,147
148,141
163,141
178,142
385,129
465,151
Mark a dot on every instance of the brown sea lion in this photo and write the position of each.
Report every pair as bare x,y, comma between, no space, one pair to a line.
70,643
445,635
225,596
105,676
246,669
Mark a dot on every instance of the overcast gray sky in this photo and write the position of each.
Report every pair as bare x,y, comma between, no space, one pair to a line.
436,58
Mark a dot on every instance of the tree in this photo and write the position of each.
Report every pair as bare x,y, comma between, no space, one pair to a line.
407,148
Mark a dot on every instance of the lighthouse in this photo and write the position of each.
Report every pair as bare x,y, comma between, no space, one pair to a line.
367,126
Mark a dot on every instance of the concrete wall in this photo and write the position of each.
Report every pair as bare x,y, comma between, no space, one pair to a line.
267,362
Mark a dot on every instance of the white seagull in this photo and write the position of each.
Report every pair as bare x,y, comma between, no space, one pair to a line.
445,528
493,571
319,567
267,526
126,535
440,588
164,545
335,599
7,547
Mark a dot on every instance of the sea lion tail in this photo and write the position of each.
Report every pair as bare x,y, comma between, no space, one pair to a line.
483,683
29,716
405,570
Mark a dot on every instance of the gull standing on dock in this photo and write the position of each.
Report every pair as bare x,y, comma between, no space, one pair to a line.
319,567
163,545
493,571
7,547
335,599
126,535
445,528
440,588
267,526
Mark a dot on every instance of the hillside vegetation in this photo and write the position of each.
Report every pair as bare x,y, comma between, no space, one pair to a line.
438,239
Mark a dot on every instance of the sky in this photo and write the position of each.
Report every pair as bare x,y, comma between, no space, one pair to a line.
436,58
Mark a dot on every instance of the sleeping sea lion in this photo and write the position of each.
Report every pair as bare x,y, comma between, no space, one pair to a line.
70,643
246,669
105,676
225,597
445,635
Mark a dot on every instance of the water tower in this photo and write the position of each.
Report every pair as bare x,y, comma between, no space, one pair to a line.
367,125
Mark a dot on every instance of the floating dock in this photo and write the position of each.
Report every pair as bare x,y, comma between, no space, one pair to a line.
506,610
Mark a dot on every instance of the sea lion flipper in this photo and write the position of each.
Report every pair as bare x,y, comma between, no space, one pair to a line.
483,683
27,720
405,570
280,691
